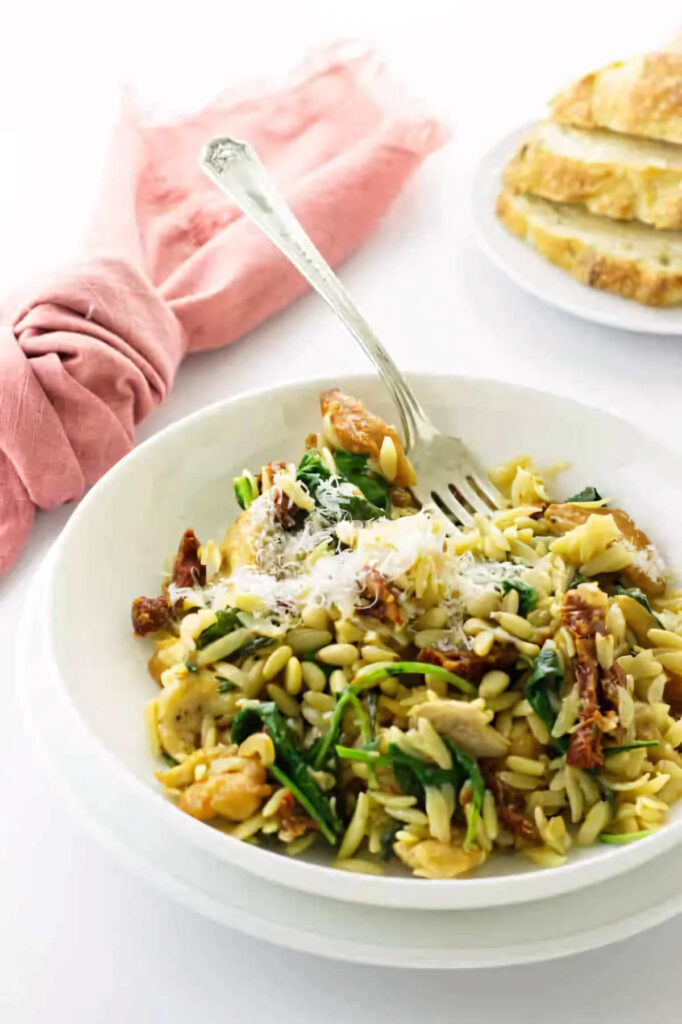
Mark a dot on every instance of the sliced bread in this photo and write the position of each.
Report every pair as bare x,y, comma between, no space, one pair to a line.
617,176
640,96
630,259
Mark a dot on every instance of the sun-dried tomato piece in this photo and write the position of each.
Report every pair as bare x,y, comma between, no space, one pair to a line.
585,748
673,694
149,614
510,812
597,687
611,681
383,598
294,820
468,665
188,570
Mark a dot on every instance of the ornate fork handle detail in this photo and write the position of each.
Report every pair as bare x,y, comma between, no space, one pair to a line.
234,166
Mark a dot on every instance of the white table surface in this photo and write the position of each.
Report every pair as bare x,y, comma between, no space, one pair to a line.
82,940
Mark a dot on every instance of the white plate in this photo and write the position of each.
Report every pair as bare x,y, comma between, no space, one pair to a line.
114,543
532,272
537,931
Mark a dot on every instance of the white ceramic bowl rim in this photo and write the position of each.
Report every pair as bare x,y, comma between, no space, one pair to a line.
314,878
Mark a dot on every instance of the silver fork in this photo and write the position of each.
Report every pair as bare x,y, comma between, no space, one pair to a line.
446,471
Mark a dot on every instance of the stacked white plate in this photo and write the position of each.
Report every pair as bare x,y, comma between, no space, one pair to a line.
84,686
535,274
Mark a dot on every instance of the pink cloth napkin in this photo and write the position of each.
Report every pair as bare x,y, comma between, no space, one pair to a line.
174,268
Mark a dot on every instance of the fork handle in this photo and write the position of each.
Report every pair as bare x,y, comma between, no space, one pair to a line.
236,169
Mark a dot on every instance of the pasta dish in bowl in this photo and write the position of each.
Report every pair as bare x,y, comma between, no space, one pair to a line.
347,671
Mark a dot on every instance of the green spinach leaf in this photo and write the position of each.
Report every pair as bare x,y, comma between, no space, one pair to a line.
356,469
225,685
413,775
542,690
578,578
256,643
245,489
635,745
587,494
621,838
468,767
346,698
387,839
227,620
290,767
311,656
528,596
360,509
638,595
424,668
311,471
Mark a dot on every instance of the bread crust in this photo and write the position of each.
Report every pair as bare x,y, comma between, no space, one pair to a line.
614,272
643,192
641,96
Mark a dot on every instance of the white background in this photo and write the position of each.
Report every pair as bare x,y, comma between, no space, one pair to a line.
82,940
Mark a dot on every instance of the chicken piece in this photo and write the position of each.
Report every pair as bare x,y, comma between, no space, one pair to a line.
463,723
181,709
156,667
182,774
468,665
401,497
243,540
362,433
436,858
646,572
234,795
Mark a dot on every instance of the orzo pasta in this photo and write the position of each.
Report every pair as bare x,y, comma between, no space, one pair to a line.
348,668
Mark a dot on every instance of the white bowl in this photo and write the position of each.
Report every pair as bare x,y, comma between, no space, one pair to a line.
113,546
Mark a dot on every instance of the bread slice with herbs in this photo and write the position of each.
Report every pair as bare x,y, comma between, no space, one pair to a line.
630,259
618,176
640,96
